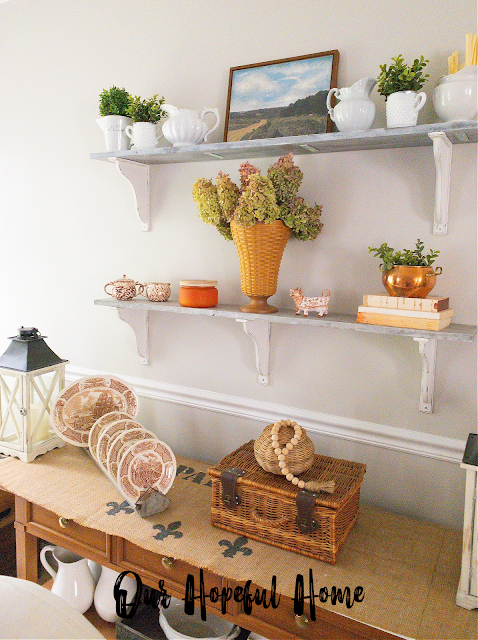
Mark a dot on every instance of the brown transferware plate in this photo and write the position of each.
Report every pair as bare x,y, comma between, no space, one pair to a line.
79,406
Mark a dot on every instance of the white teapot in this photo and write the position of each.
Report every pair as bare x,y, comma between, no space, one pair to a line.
355,111
186,127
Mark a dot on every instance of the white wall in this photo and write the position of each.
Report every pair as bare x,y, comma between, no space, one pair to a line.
68,227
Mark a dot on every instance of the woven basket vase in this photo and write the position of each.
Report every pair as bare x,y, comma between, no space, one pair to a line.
300,459
260,250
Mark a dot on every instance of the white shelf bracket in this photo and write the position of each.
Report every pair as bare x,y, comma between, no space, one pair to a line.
138,175
442,151
138,320
260,332
428,353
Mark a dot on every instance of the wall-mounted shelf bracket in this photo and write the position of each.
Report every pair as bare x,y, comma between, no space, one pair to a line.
138,175
138,320
442,151
260,332
428,353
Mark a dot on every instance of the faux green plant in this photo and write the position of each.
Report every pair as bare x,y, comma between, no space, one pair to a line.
409,257
260,199
401,77
146,110
114,102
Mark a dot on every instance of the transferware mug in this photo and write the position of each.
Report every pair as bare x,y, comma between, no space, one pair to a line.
157,291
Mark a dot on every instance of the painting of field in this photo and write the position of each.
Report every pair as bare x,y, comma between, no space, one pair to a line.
279,99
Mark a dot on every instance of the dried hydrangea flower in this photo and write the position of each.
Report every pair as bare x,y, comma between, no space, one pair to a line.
205,196
257,202
286,178
228,195
303,220
245,170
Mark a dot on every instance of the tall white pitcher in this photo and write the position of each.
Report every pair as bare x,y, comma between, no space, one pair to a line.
73,581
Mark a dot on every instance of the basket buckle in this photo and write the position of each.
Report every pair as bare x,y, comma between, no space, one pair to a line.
305,503
229,478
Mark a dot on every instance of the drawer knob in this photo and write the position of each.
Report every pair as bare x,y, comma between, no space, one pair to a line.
167,563
302,622
63,522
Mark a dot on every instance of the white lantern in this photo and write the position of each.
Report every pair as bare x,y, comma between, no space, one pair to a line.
31,375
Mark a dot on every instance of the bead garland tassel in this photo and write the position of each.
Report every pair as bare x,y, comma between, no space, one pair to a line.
283,452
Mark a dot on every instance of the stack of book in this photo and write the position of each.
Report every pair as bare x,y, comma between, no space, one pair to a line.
428,313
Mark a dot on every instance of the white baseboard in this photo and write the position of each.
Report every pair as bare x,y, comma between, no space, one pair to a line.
369,433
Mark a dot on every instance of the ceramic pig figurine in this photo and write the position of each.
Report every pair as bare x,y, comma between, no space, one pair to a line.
319,304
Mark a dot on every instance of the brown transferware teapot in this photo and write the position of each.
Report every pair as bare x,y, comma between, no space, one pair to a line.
124,288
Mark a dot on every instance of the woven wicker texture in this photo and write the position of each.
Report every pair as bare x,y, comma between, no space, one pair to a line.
268,504
260,250
299,459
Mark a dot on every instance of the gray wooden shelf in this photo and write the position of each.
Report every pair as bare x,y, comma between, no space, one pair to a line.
460,332
457,132
136,313
135,164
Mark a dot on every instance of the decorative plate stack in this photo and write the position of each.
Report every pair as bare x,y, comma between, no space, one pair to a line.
98,412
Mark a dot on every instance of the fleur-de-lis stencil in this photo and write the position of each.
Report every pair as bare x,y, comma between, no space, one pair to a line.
233,547
170,530
118,508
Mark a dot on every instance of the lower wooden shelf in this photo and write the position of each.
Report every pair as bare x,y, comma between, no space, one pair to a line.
136,314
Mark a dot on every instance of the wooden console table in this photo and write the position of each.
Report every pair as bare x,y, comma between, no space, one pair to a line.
408,569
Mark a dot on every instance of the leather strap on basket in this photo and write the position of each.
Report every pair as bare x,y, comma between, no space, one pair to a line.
305,502
229,478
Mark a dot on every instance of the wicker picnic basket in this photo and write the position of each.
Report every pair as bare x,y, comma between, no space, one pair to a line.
260,248
249,501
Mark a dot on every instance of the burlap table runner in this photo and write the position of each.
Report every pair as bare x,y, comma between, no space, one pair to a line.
409,569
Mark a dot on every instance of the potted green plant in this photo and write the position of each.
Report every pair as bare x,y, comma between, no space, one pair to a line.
114,119
259,216
146,115
407,273
400,84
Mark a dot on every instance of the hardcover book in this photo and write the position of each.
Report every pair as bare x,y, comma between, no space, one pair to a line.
431,315
404,322
412,304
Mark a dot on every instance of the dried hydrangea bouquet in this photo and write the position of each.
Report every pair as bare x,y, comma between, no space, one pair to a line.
260,217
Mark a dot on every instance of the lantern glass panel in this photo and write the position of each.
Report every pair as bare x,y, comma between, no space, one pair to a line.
12,420
42,390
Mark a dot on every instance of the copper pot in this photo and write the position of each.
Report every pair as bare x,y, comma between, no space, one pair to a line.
410,282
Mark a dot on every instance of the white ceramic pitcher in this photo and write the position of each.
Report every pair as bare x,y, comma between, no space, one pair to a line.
73,581
113,128
185,127
105,603
355,111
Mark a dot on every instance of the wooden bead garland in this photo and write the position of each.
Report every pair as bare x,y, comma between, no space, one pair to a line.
282,453
279,460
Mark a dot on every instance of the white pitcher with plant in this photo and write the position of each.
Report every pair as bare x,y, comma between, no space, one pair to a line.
400,84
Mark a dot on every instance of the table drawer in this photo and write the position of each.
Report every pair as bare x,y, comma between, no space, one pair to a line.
7,508
155,566
286,624
88,542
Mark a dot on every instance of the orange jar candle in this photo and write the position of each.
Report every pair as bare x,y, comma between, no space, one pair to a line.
198,293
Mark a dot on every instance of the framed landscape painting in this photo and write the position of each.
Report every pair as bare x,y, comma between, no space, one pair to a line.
280,98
